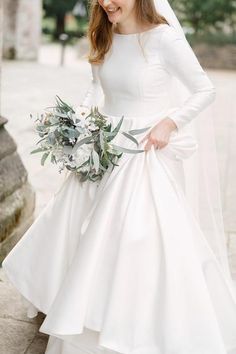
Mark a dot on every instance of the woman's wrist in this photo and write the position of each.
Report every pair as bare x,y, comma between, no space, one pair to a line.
170,122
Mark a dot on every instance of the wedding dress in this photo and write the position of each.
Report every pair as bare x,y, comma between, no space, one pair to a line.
122,266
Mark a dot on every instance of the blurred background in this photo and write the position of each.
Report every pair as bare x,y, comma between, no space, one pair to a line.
43,49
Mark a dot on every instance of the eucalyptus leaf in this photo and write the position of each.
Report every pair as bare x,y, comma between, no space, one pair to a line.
40,140
60,101
41,128
44,157
101,140
102,168
116,129
84,163
51,138
38,150
70,133
138,131
81,142
60,114
130,137
67,149
131,151
96,160
113,151
53,158
114,164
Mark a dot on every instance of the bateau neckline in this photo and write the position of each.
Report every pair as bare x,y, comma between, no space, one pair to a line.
136,33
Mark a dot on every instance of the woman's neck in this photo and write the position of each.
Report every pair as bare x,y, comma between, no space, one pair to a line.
130,26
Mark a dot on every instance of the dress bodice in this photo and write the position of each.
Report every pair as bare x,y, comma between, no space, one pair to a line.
136,75
133,77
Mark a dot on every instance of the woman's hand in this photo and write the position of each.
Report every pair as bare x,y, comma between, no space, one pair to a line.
160,134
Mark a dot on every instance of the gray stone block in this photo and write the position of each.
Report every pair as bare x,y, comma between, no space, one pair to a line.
12,175
38,345
18,337
17,198
16,216
216,56
8,146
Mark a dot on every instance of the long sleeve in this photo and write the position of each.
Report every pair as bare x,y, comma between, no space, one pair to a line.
179,60
94,94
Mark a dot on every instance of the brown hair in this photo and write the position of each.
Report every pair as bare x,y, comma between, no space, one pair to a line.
100,30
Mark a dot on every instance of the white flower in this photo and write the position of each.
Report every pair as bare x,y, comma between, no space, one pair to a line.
82,154
58,153
85,135
92,126
81,113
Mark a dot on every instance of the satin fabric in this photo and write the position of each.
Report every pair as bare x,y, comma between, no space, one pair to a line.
141,278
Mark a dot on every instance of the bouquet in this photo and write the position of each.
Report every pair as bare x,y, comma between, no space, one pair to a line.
81,140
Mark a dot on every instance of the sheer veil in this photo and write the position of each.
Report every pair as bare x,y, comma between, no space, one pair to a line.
201,170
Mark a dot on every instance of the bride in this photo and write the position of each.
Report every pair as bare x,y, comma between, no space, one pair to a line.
137,263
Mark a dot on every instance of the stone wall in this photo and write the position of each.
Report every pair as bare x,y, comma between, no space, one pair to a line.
17,198
22,28
216,57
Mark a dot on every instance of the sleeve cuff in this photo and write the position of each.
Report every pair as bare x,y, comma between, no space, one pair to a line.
175,117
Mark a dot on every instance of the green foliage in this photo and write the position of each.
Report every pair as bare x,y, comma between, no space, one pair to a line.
208,14
217,38
57,10
58,7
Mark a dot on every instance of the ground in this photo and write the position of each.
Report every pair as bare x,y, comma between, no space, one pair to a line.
29,86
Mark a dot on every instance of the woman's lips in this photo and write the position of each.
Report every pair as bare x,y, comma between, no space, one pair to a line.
113,11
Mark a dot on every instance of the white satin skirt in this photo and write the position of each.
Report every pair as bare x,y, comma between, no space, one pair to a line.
122,266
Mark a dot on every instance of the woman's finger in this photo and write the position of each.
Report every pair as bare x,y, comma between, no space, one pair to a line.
143,139
148,145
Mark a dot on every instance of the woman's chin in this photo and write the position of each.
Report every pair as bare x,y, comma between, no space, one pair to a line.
114,17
